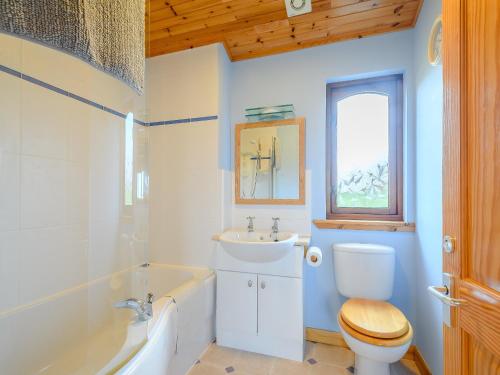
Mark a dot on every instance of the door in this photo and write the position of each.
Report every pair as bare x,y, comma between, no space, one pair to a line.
236,303
280,307
471,205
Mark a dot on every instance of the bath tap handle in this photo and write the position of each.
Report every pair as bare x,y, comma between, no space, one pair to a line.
129,303
144,310
150,298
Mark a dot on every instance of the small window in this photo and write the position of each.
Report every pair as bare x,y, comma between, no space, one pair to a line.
364,149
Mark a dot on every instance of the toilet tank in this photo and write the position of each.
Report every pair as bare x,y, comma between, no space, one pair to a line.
364,270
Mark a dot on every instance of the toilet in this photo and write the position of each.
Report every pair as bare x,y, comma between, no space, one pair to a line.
375,330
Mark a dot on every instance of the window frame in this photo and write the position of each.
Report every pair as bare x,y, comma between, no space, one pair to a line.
391,85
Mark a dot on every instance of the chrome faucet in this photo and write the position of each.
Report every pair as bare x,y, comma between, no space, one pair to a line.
275,229
250,224
143,309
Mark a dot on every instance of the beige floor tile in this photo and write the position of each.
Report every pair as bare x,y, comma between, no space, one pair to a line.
286,367
206,369
333,355
252,363
326,369
220,356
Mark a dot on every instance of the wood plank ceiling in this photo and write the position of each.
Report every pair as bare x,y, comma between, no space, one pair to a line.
254,28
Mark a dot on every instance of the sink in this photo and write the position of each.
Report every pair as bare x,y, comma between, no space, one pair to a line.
257,247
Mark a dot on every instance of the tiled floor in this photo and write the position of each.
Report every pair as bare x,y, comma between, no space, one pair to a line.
320,359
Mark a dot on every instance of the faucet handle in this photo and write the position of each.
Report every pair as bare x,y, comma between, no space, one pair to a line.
150,298
250,217
276,219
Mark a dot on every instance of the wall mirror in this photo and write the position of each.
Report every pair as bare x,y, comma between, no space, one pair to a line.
269,162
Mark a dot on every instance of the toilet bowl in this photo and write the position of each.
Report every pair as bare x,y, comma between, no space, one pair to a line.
374,354
375,330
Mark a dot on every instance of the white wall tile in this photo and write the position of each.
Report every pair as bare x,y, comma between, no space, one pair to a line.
9,191
45,119
11,51
9,267
57,68
186,188
77,193
10,112
52,260
106,137
43,192
104,250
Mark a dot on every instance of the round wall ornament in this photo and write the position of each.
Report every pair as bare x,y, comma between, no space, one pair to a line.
434,48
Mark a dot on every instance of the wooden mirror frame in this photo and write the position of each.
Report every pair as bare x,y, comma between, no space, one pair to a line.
300,121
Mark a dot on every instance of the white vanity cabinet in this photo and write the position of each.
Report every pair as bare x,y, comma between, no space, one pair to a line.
261,312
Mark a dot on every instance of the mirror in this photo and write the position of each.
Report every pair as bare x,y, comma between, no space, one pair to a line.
270,162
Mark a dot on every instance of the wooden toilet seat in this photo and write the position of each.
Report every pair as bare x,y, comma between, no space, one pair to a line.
375,322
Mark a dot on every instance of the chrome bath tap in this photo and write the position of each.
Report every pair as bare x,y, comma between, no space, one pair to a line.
143,309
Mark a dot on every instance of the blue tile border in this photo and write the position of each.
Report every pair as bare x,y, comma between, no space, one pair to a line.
58,90
183,121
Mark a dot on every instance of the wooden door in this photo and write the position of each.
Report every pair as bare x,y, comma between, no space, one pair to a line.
471,186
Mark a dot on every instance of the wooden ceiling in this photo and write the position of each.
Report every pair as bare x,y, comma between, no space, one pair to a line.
254,28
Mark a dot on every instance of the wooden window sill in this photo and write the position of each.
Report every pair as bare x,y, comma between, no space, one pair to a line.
387,226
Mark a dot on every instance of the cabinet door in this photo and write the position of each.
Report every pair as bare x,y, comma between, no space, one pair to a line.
280,307
236,302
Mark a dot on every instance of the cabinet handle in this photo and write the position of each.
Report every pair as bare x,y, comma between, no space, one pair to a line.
250,283
263,285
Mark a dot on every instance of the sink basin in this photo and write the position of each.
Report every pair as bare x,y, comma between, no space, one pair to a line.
257,247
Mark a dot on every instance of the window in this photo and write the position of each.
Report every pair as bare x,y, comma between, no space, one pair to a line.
364,149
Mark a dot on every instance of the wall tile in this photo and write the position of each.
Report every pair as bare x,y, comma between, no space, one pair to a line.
45,120
10,112
9,266
106,137
77,193
186,186
43,192
9,192
56,68
11,51
55,257
104,252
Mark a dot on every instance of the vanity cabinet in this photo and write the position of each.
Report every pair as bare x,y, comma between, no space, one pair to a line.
279,313
237,297
260,313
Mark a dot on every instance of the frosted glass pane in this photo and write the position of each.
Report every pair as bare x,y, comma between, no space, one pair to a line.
363,151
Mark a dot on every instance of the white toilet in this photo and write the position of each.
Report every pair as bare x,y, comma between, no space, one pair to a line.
376,331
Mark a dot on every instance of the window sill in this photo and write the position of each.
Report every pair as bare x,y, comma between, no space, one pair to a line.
386,226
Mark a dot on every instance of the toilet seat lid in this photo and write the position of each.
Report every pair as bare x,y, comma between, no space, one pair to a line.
377,319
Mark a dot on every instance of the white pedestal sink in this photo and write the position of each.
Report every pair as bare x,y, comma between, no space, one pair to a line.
257,247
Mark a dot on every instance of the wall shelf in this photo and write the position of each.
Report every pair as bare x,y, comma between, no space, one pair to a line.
387,226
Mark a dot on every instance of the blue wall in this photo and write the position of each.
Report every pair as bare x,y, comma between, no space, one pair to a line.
300,78
429,113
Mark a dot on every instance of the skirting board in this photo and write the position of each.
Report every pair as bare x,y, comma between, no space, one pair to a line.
336,339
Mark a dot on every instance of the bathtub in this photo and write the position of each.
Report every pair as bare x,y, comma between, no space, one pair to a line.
79,332
183,323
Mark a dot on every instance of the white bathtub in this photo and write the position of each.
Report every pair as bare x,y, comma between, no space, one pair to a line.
183,323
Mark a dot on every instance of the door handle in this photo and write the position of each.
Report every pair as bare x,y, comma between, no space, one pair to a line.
442,293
